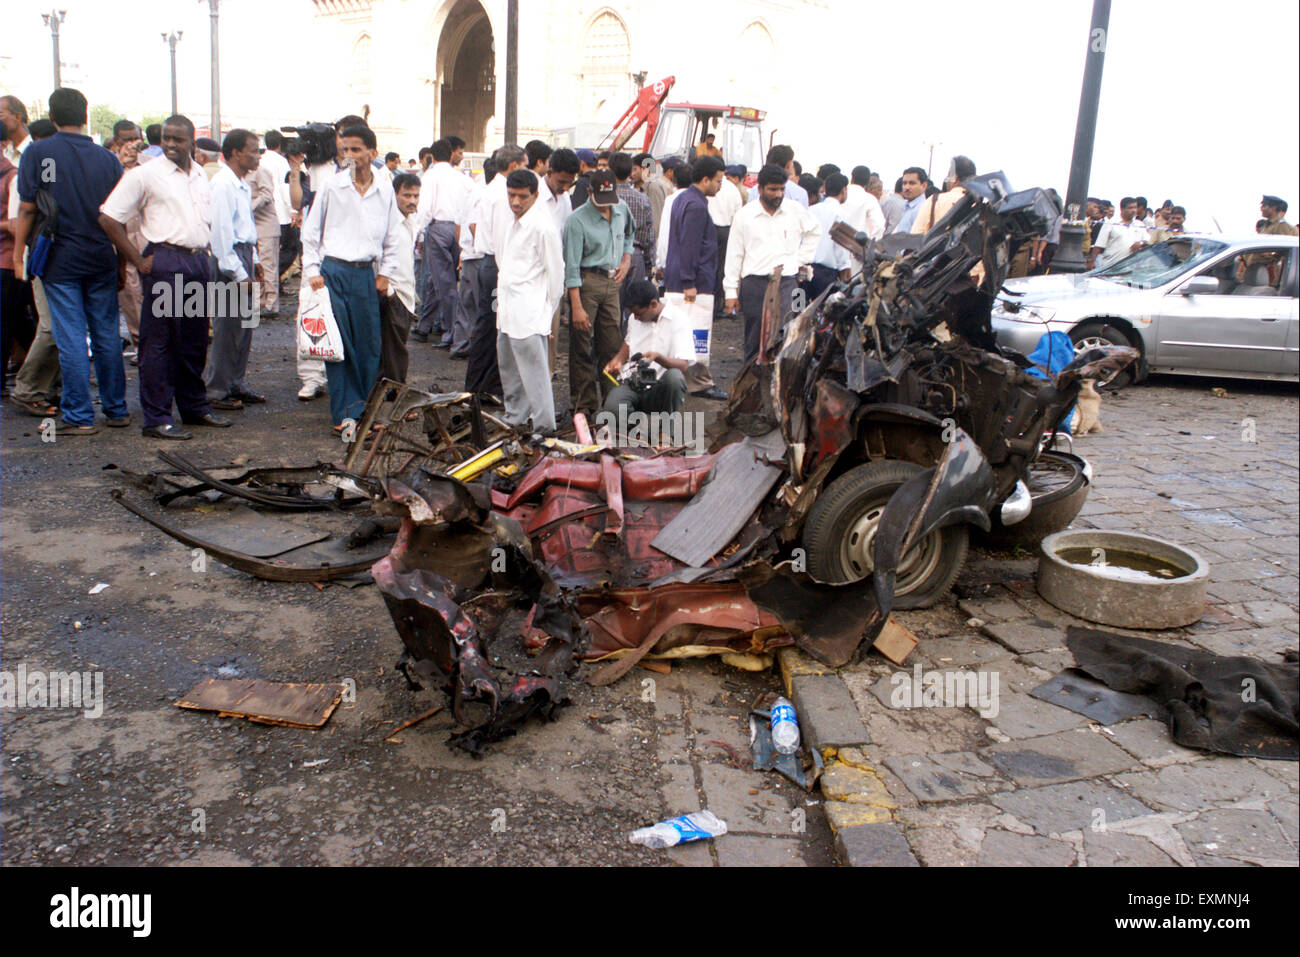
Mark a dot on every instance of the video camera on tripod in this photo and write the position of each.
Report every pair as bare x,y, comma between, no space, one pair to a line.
318,140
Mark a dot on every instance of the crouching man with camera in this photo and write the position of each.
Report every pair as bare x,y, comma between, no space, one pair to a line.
660,345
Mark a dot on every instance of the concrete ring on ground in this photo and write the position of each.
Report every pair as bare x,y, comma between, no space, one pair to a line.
1121,579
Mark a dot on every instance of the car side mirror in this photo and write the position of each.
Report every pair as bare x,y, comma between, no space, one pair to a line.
1200,286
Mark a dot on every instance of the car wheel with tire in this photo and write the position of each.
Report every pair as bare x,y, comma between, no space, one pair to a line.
840,532
1095,332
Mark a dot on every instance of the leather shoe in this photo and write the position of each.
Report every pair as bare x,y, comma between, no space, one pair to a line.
250,398
211,421
228,403
419,336
712,392
165,432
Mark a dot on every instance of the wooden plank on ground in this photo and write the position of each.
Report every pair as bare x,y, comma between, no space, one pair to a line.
266,702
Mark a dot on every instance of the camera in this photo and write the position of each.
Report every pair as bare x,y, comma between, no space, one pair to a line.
639,374
318,140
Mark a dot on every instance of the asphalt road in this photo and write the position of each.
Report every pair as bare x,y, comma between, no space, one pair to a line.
150,783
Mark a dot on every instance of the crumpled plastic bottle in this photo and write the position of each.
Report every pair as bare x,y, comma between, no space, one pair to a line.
698,826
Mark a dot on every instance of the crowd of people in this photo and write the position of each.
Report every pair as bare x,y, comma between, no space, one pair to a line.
638,256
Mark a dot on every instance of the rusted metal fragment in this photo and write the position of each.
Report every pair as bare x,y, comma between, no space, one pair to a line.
316,562
266,702
238,488
741,478
834,423
634,622
484,648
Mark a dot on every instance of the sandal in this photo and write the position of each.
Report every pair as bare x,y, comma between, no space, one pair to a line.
40,410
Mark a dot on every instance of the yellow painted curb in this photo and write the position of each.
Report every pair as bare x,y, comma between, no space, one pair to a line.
844,782
795,662
842,814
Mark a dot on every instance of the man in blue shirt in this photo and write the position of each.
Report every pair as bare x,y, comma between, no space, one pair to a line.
234,247
915,181
80,275
783,156
691,267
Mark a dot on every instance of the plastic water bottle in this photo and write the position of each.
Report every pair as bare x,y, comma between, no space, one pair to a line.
785,727
689,827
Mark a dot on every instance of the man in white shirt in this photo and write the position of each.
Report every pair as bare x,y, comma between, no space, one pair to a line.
562,168
311,372
723,207
354,226
495,217
466,305
529,286
862,210
764,235
831,261
274,170
173,199
443,194
234,247
661,335
681,174
397,309
1117,240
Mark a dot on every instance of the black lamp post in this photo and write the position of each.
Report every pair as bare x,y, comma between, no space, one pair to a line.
1069,254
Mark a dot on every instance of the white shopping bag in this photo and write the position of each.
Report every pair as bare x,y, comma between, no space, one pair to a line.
318,333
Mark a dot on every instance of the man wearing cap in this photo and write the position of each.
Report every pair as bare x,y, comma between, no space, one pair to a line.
597,255
207,151
764,235
1273,208
582,185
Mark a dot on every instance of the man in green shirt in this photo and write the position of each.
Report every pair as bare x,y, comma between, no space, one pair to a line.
597,255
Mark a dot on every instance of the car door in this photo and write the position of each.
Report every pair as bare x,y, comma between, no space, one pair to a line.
1227,331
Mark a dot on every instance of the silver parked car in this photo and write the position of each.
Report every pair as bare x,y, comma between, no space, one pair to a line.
1200,305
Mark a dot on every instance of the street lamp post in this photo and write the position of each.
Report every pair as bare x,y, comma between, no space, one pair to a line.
172,39
52,20
1069,254
512,71
216,73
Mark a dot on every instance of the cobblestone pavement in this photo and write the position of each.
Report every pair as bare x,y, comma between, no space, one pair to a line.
1038,784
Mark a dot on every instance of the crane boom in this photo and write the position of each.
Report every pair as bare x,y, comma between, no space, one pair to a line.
644,111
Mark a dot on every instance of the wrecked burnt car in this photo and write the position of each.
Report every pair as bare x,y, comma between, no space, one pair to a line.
886,375
872,430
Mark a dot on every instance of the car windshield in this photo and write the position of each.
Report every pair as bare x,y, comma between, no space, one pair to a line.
1156,265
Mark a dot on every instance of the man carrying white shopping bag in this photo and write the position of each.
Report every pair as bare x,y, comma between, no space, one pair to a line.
350,243
691,267
318,333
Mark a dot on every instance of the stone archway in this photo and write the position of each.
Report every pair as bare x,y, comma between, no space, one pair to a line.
467,74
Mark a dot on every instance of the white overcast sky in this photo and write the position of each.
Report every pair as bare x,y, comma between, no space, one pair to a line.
1199,100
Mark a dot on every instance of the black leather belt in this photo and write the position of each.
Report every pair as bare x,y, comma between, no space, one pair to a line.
364,264
607,273
183,250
